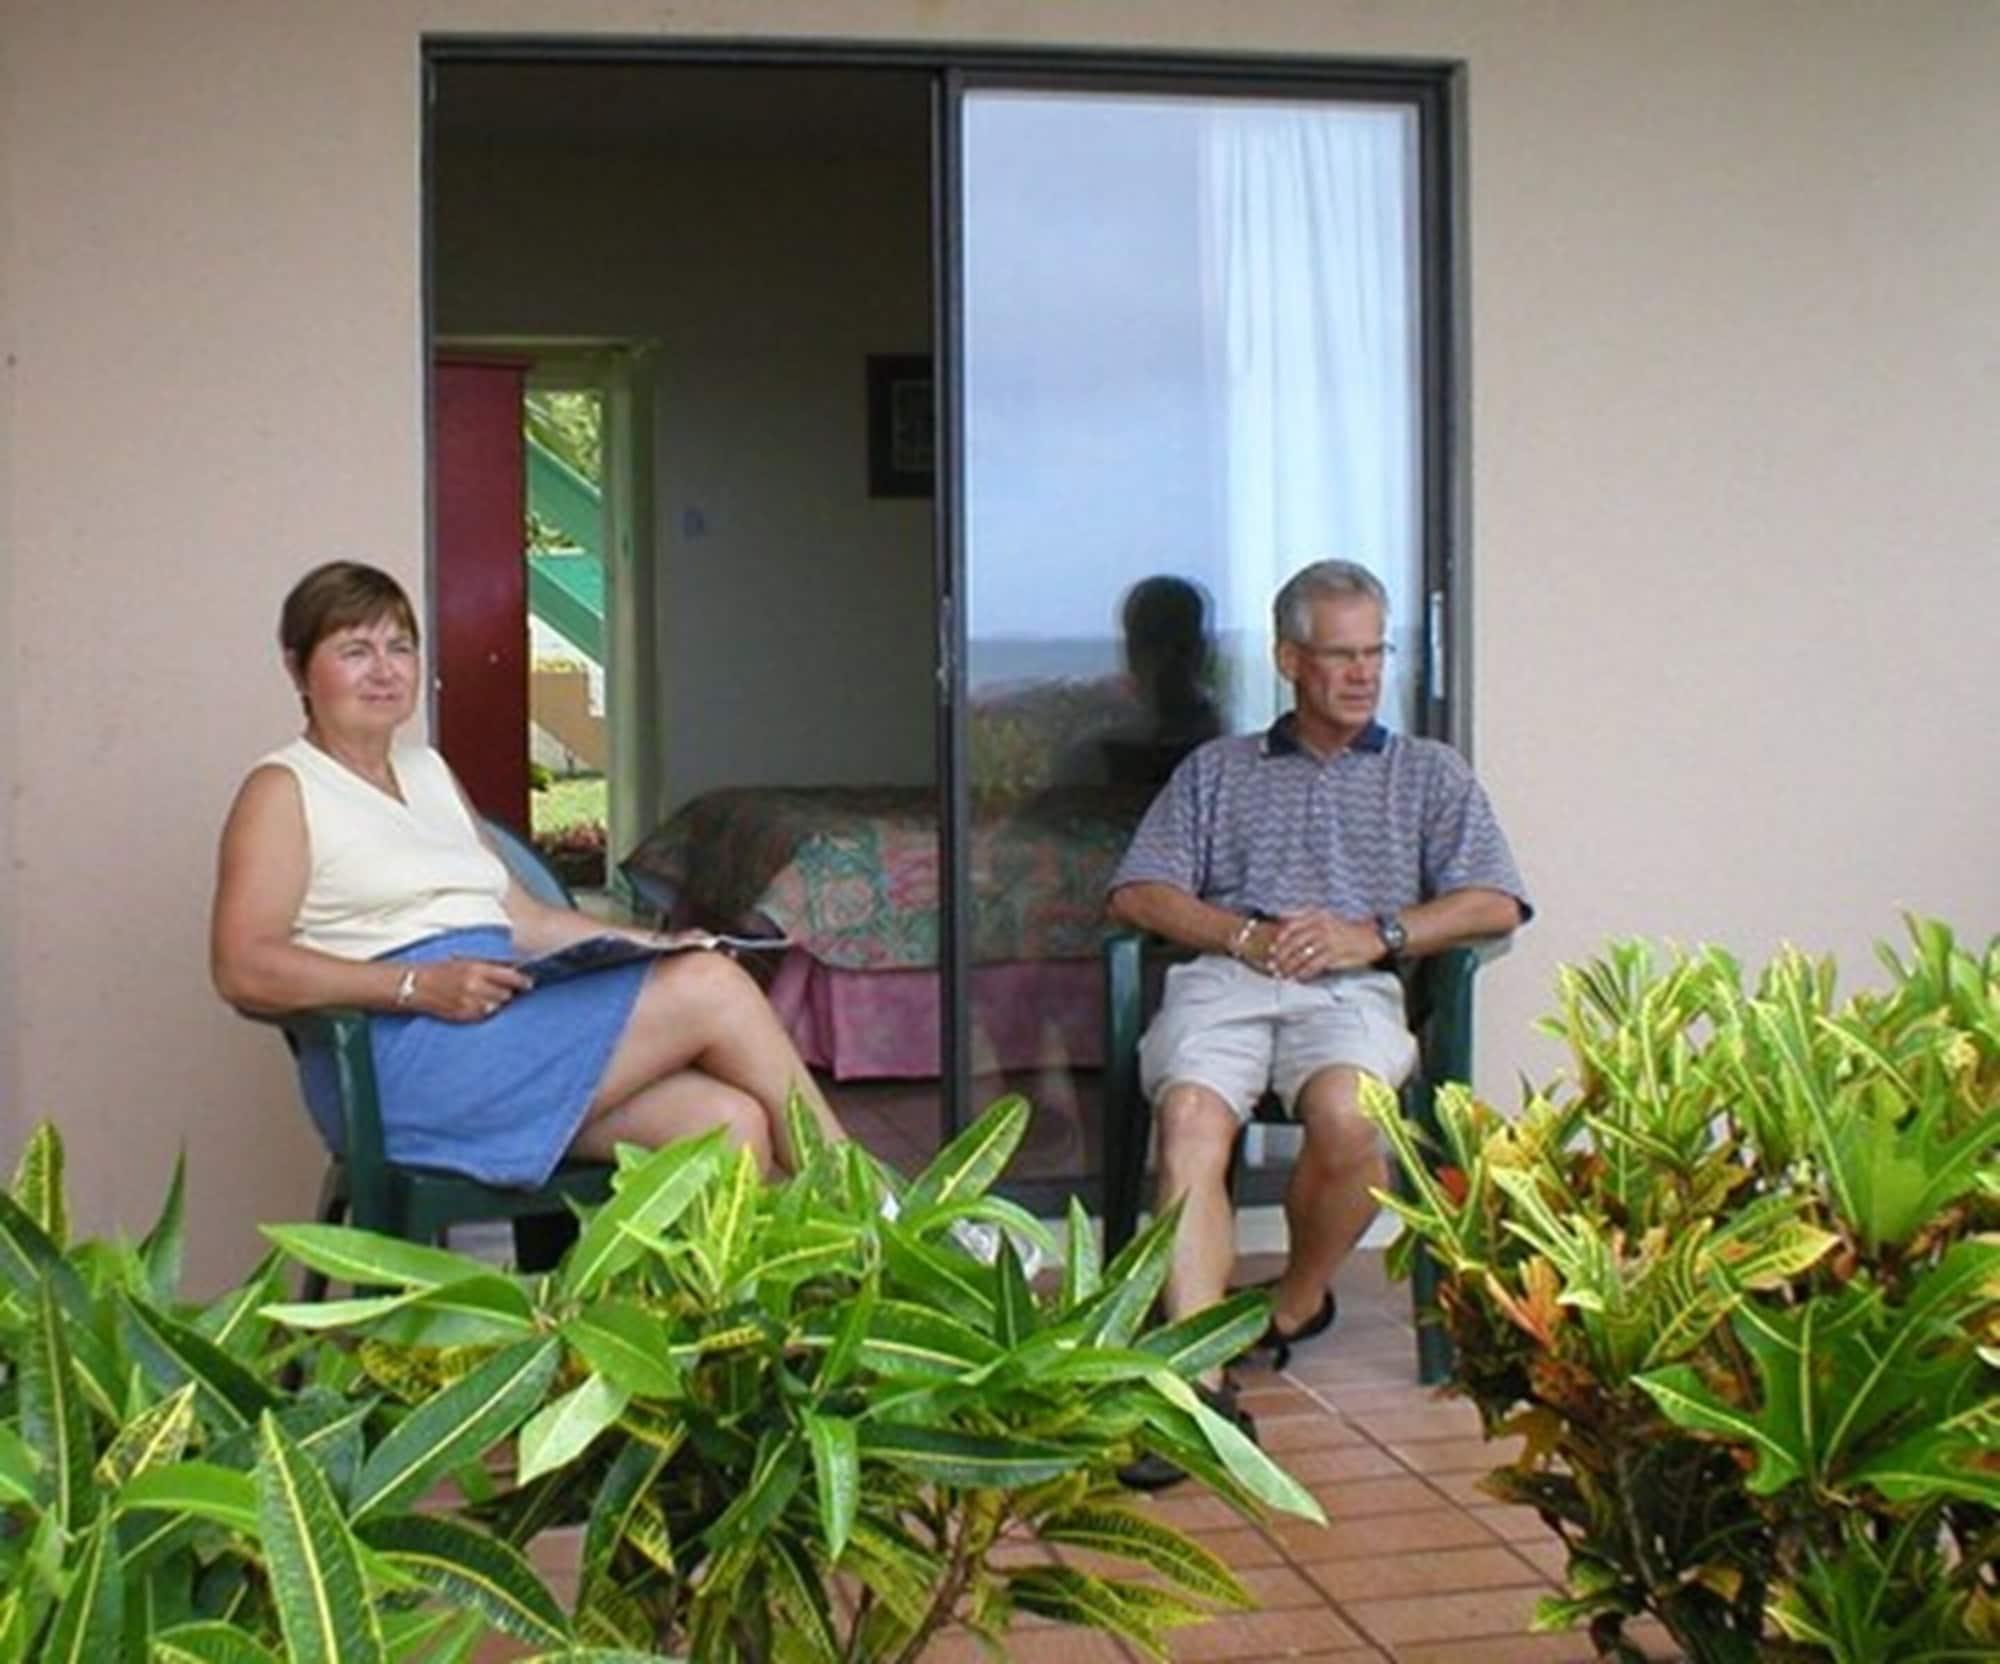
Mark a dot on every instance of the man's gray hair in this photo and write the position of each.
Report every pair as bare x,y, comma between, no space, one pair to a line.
1324,580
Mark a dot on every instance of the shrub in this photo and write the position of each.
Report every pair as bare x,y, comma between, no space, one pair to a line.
1731,1284
165,1494
754,1397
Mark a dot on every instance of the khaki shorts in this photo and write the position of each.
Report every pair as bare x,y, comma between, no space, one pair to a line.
1240,1033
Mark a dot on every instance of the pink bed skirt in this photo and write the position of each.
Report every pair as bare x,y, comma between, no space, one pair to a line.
883,1025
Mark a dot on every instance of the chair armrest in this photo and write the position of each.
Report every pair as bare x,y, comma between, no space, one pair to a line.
343,1032
1440,1001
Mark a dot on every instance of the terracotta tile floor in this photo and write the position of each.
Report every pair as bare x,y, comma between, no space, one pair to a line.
1413,1566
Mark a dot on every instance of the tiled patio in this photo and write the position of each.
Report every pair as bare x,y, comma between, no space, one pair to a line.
1414,1565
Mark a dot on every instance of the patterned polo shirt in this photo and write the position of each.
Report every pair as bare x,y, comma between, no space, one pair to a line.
1258,824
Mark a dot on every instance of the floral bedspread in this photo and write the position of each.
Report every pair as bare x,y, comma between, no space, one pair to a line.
851,873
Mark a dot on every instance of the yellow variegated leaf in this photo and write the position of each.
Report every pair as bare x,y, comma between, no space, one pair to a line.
38,1183
152,1438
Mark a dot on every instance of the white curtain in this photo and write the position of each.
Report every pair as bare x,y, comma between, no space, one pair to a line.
1308,221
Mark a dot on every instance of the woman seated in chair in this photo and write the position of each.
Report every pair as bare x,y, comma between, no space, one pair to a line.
353,874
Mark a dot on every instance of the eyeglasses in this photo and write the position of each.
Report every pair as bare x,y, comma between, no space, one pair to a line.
1349,658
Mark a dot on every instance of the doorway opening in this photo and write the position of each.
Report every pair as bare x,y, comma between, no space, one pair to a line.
900,691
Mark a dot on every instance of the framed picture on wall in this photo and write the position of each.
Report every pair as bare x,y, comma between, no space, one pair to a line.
902,425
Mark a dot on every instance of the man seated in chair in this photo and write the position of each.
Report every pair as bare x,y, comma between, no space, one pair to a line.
1301,863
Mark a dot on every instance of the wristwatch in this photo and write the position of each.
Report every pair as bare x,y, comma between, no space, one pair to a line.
1394,937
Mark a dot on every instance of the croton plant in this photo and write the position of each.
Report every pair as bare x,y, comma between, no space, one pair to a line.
1732,1281
792,1422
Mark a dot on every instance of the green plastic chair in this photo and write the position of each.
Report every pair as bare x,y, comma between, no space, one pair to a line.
1437,993
366,1189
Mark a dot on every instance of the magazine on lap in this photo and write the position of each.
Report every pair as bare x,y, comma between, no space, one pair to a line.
601,953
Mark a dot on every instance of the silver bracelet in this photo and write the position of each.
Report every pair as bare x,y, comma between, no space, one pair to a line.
1244,932
406,990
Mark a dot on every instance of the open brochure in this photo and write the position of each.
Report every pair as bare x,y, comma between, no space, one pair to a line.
600,953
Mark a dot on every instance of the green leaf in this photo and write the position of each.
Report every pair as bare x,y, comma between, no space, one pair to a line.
626,1344
845,1352
209,1642
340,1314
1935,1462
164,1247
1214,1335
901,1575
648,1198
458,1424
950,1282
20,1470
492,1310
1141,1538
29,1258
1967,1277
558,1433
90,1621
227,1395
232,1320
969,1164
799,1594
728,1219
780,1465
802,1131
323,1605
1132,1282
1018,1318
626,1485
1070,1596
910,1340
966,1459
836,1452
407,1632
53,1420
474,1571
1083,1265
1685,1401
38,1183
156,1436
1251,1468
222,1496
368,1259
790,1254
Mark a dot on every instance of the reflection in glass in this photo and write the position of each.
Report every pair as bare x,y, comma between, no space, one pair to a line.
1190,367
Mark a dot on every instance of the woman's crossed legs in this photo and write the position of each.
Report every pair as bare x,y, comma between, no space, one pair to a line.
703,1049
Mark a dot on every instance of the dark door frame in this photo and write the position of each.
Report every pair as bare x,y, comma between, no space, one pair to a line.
1435,89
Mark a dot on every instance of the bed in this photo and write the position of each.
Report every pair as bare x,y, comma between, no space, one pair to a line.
850,876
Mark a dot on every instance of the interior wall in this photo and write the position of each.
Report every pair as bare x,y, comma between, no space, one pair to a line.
795,632
1734,508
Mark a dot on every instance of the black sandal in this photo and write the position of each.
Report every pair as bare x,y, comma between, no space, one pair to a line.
1280,1344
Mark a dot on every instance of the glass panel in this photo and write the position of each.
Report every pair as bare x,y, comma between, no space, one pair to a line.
1190,367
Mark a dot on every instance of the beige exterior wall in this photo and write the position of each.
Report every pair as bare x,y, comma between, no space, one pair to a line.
1737,372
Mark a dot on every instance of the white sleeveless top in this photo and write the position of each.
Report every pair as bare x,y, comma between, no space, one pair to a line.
386,874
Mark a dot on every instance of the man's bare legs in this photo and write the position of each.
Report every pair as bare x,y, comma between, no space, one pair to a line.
1327,1202
702,1046
1197,1130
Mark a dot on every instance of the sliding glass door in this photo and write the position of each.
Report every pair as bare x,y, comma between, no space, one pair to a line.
1190,355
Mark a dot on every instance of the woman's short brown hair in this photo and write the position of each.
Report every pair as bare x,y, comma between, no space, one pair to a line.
340,595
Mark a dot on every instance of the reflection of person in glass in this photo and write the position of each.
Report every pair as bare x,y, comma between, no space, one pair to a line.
1168,660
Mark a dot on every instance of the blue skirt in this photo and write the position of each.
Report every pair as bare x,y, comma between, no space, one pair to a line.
500,1099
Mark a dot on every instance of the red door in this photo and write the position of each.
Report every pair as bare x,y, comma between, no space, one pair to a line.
480,656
